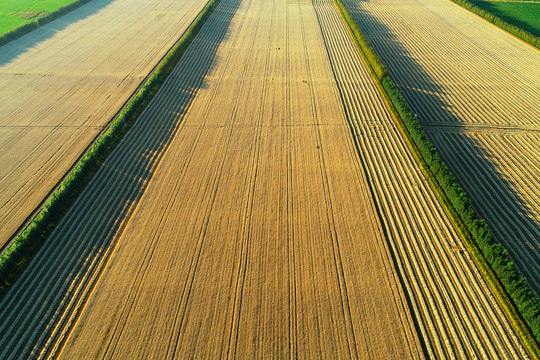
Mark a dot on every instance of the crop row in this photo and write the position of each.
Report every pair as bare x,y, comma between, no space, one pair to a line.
492,257
16,256
44,304
453,307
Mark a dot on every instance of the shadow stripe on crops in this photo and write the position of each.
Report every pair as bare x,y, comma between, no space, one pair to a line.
454,312
48,292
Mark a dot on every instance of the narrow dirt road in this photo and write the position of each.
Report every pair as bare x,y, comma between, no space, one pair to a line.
63,82
476,91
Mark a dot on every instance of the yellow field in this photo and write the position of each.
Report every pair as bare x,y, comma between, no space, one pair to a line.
62,83
260,218
265,205
476,90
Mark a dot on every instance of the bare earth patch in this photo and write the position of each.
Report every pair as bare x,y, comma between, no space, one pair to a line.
27,15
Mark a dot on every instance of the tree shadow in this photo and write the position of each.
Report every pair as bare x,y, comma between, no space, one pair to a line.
15,48
80,244
496,196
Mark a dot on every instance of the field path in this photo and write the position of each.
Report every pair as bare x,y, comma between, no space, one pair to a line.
476,91
62,83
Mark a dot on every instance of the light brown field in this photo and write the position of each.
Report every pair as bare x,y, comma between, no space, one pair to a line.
62,83
456,314
476,90
287,217
260,245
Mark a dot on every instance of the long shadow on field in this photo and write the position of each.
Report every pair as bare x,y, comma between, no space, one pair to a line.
82,241
509,215
19,46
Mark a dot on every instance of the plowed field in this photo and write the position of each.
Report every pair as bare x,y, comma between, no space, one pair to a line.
258,230
264,205
62,83
476,90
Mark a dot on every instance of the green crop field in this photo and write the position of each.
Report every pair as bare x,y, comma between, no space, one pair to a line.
523,14
14,13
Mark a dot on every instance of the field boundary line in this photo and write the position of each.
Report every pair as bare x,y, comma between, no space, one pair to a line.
402,116
103,130
25,243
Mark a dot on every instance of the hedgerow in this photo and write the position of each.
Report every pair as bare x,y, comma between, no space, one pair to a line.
497,257
493,259
21,250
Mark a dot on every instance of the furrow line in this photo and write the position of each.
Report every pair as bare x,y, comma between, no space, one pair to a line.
135,158
459,307
456,69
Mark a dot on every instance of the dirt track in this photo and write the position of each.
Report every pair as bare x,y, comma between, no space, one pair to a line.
476,90
266,229
63,82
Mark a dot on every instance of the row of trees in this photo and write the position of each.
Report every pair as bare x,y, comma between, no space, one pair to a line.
493,252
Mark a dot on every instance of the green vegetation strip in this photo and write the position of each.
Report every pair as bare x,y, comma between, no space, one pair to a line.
37,18
523,14
21,250
512,29
509,286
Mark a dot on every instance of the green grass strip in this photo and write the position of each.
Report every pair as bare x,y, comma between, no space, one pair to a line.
523,14
39,21
22,249
512,29
510,288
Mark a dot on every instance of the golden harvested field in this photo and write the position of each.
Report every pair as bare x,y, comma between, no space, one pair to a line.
258,220
264,205
62,83
476,90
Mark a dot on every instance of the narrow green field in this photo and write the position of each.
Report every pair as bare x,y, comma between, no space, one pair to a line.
14,13
523,14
